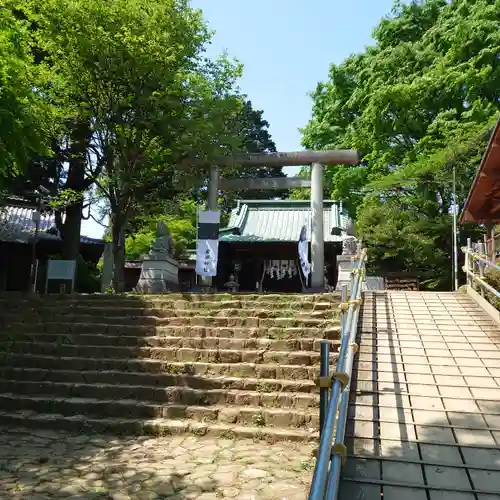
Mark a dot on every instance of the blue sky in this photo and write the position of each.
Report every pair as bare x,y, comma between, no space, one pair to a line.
286,48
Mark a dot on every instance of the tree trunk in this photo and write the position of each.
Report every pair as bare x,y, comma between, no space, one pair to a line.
72,229
118,239
80,138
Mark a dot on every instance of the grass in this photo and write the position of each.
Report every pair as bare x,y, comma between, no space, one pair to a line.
64,340
275,358
277,333
259,436
264,387
306,465
287,313
228,434
239,373
259,420
199,431
186,369
7,349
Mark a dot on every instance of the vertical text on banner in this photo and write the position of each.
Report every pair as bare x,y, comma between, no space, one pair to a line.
207,245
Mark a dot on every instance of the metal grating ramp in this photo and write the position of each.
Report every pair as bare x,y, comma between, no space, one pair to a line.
424,417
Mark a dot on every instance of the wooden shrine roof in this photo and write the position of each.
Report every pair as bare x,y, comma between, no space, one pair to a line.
483,203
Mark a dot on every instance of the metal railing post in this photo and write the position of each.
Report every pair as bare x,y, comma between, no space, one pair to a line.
324,373
340,381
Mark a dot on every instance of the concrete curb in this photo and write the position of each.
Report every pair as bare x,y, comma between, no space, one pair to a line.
484,305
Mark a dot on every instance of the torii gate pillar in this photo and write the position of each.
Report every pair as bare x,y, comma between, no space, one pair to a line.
212,204
213,187
317,230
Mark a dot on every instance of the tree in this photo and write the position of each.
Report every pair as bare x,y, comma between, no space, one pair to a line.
251,135
61,168
416,104
177,110
24,117
254,137
133,70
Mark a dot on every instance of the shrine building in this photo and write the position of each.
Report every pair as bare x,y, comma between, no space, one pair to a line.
259,247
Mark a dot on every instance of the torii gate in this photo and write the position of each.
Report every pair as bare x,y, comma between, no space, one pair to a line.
317,159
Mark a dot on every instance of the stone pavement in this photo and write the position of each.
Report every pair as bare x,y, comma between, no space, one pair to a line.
42,464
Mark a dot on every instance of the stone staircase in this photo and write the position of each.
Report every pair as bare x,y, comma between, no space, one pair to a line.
224,365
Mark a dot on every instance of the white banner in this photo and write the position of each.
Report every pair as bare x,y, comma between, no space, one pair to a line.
207,245
304,252
207,253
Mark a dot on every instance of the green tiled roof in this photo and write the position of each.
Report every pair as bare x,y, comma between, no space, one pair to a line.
257,221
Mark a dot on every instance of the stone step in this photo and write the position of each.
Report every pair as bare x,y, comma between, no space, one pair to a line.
10,320
279,333
153,427
290,344
161,380
48,305
229,365
186,354
138,315
130,408
165,395
252,370
130,298
142,308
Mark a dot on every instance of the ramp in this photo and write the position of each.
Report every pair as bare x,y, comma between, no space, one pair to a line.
424,415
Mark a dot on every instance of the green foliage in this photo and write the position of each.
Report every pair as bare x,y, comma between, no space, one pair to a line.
492,277
24,116
64,198
139,244
417,105
253,136
181,223
129,109
88,277
183,231
402,240
150,106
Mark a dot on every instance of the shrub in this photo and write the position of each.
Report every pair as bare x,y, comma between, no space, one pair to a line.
492,277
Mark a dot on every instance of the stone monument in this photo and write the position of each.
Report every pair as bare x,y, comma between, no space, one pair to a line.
345,262
159,270
232,285
107,268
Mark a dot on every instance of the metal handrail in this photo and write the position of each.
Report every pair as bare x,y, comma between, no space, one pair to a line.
332,451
